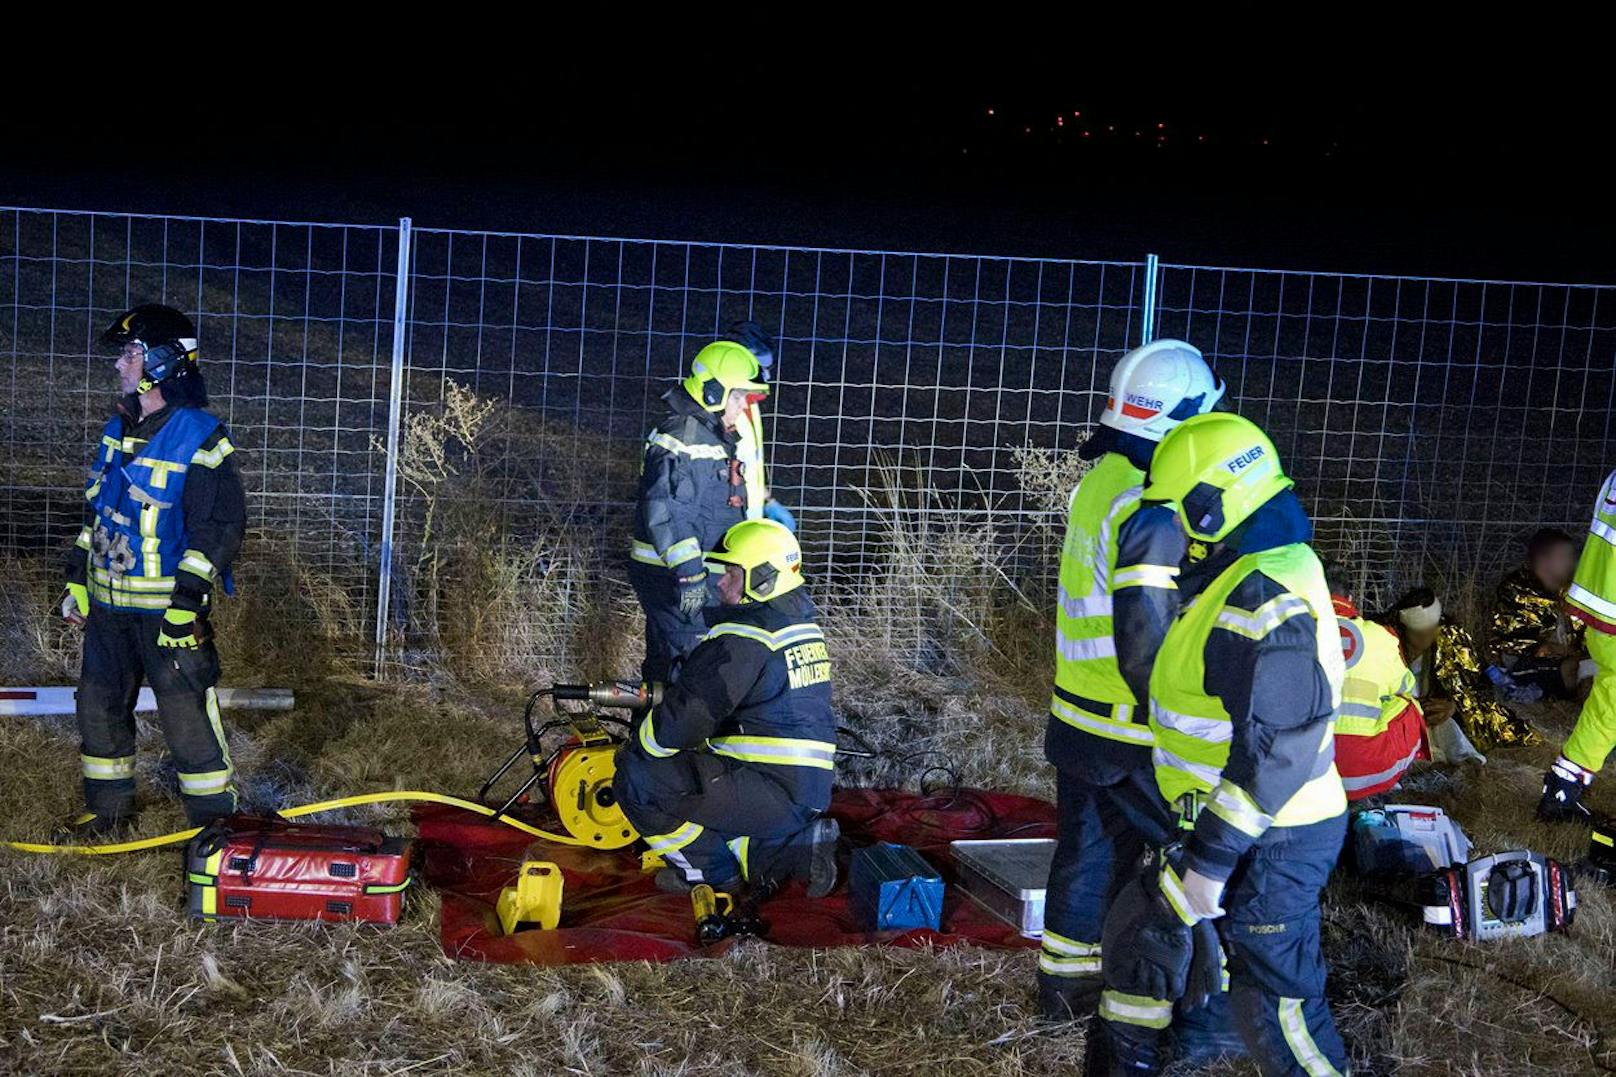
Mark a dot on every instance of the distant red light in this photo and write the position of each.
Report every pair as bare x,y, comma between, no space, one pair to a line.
1159,126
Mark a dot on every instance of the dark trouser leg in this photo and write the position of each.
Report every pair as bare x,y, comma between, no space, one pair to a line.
1102,833
185,681
1276,963
714,819
670,636
1080,878
109,680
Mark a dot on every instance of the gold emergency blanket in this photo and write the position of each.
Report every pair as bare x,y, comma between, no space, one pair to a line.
1457,673
1525,616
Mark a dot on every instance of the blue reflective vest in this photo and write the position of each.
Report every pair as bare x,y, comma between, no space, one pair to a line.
139,538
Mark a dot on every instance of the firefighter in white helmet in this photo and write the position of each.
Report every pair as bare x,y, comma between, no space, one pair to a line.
1118,597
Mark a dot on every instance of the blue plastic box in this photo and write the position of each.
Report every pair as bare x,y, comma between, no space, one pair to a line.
892,888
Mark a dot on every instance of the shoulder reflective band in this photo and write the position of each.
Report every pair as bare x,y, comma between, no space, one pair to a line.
669,443
1256,624
785,637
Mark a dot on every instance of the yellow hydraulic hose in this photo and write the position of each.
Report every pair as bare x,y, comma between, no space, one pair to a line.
292,813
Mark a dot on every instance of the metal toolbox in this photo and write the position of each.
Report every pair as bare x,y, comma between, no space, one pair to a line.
1008,877
892,888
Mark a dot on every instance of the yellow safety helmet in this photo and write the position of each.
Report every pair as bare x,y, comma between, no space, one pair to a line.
718,370
769,555
1218,469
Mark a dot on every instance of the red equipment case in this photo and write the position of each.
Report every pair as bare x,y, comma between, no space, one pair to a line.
248,867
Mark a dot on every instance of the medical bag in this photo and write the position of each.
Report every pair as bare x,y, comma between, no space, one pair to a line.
250,867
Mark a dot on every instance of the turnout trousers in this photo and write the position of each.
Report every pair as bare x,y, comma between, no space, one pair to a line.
1101,833
1276,969
121,653
670,636
717,820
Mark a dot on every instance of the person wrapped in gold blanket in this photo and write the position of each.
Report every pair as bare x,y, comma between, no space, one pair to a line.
1536,646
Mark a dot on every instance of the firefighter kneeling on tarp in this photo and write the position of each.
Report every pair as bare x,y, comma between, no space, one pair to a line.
728,778
1242,700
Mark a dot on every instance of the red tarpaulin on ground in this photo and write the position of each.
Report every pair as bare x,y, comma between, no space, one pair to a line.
611,911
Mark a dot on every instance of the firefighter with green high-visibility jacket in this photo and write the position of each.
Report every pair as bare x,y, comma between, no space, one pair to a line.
1117,596
164,518
1243,697
1591,599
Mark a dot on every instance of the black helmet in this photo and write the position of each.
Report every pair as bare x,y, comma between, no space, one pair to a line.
752,337
168,337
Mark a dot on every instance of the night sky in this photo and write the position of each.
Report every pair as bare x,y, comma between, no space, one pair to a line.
1381,148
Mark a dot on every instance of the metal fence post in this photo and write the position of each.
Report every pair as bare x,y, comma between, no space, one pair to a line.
1148,329
395,409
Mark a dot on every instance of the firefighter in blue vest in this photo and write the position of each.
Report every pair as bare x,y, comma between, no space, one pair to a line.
729,776
1243,698
1117,596
692,490
164,517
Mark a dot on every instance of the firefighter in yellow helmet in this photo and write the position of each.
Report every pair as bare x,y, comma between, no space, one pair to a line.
1243,697
692,490
1591,599
728,778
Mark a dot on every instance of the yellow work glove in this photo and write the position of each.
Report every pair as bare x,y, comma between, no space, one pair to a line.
179,629
75,604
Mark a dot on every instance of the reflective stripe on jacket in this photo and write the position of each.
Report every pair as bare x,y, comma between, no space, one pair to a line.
1251,611
757,688
1090,694
692,487
1592,596
1377,687
138,539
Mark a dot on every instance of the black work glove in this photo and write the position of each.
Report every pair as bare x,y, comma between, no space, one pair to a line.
1205,979
1147,947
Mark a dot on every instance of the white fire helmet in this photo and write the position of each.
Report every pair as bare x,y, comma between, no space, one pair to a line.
1158,386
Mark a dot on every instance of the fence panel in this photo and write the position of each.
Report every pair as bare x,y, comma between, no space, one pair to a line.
927,372
1431,424
294,323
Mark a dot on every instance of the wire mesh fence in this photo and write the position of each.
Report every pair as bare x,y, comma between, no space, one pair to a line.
292,318
1429,422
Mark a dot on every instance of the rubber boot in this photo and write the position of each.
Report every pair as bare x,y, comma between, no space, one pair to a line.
1102,1059
88,828
1207,1033
822,860
1068,998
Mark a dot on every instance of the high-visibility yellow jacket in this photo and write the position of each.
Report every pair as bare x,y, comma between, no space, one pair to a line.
1243,700
1377,685
1592,597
